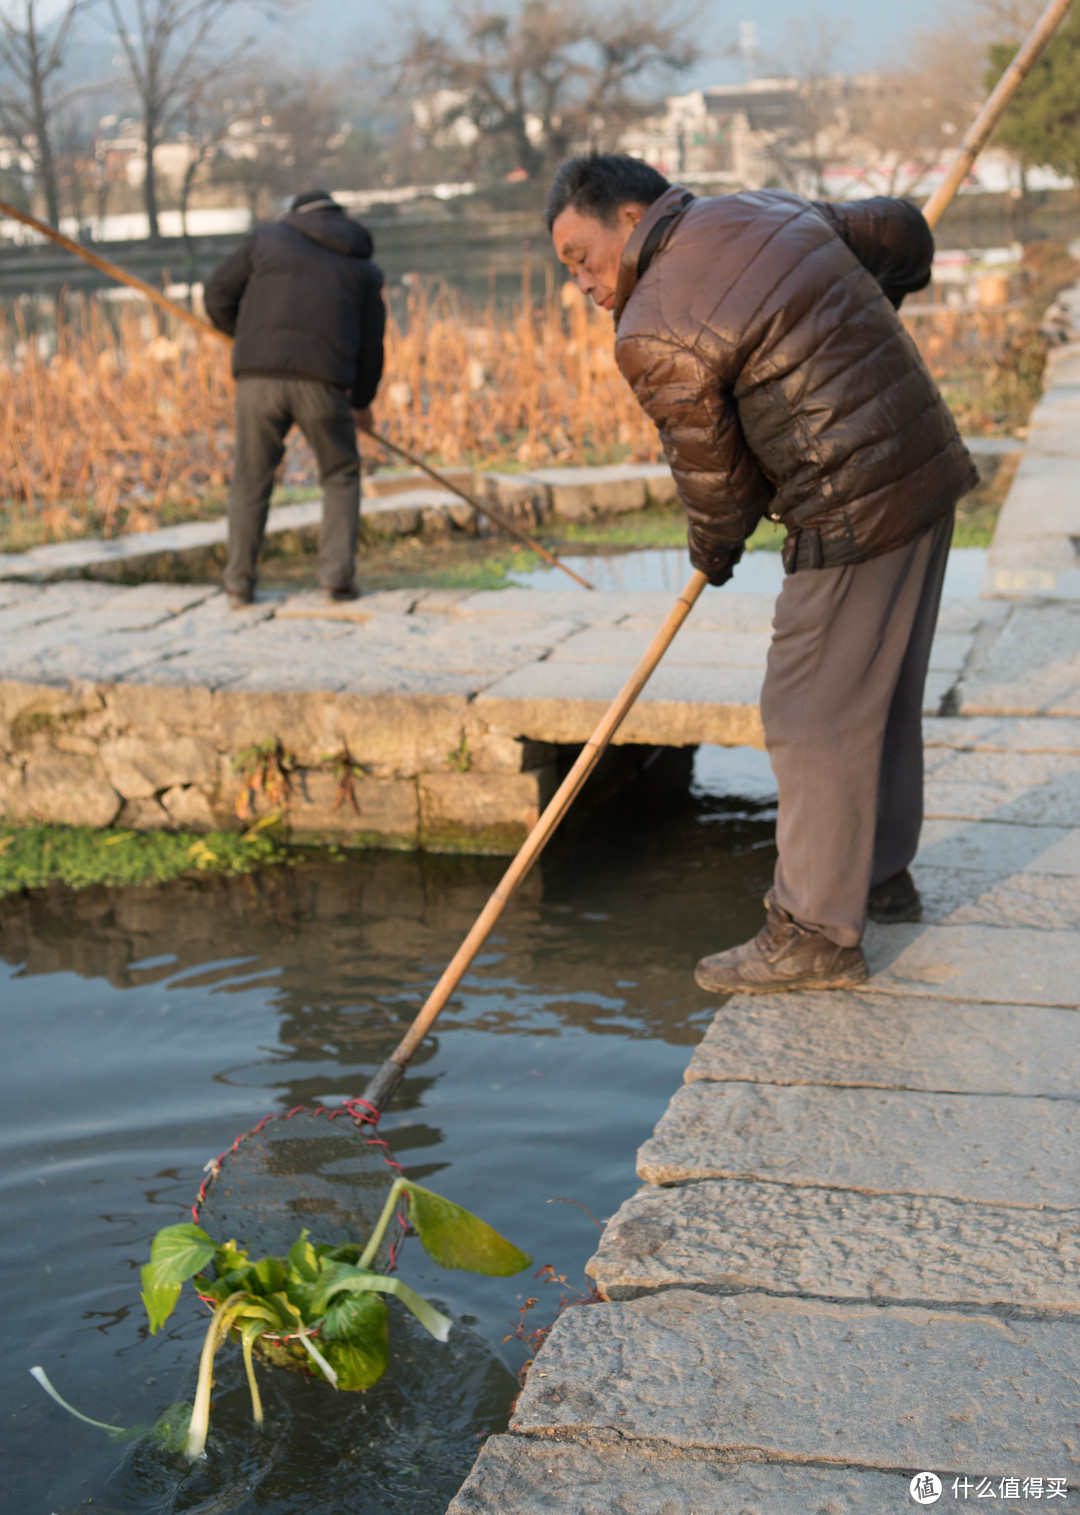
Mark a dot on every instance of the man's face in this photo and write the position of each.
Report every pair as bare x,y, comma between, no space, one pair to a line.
591,250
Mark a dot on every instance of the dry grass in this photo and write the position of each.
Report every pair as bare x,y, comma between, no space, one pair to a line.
122,430
111,430
538,386
988,363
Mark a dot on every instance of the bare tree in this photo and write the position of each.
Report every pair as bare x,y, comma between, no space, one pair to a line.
205,120
911,117
165,44
32,54
906,120
286,133
801,150
535,79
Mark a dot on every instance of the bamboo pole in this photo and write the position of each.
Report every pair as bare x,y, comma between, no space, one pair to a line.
979,131
111,270
381,1088
500,520
121,275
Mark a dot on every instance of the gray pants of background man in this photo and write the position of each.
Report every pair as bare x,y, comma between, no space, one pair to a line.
266,409
842,711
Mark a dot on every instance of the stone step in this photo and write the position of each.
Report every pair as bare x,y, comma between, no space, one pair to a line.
854,1039
1000,848
1032,667
997,734
953,897
732,1237
803,1381
524,1475
694,647
681,706
979,963
987,1148
578,494
1021,788
729,611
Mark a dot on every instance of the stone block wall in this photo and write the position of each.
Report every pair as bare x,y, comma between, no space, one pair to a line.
403,772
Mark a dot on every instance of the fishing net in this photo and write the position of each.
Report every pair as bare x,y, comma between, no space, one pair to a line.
324,1169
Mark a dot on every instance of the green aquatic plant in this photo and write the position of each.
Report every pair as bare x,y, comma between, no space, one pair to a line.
170,1429
33,857
321,1308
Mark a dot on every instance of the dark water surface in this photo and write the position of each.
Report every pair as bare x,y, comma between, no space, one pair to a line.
144,1028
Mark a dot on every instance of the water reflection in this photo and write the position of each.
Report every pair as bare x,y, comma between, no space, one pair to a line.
144,1028
668,568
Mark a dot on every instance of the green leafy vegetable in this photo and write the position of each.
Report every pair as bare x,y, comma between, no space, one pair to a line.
321,1306
177,1254
346,1280
170,1430
456,1239
355,1365
302,1259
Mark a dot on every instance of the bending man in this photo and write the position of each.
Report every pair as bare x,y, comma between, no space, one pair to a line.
304,302
760,332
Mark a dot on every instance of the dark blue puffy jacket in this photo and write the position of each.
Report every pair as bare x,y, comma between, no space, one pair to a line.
304,300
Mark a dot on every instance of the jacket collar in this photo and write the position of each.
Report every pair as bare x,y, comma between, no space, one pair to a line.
646,239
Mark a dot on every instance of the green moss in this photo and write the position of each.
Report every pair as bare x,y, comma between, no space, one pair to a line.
657,526
460,757
500,840
28,723
33,856
490,572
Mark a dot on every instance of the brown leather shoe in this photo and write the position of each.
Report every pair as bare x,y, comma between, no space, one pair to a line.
783,956
897,899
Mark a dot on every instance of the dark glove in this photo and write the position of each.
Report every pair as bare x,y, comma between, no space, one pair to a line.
714,559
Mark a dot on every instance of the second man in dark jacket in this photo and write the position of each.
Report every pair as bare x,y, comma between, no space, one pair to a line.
304,302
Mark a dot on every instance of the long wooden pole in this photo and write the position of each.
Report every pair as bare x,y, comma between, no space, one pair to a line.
500,520
121,275
979,131
381,1088
111,270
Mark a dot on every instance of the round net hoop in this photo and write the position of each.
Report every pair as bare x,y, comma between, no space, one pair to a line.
321,1168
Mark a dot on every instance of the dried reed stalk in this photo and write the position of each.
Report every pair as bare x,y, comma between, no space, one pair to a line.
118,424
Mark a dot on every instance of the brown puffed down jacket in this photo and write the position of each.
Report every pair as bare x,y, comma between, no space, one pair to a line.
760,333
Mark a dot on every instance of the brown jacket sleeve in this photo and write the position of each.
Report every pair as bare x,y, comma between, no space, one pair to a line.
718,478
889,237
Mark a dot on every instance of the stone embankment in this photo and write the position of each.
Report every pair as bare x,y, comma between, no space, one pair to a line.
394,505
854,1257
410,718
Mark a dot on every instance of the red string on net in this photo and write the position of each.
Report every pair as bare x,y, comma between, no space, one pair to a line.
361,1113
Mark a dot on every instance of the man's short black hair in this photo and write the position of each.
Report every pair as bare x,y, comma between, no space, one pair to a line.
597,184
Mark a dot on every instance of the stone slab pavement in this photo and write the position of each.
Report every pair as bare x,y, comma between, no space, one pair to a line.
853,1258
607,1477
542,665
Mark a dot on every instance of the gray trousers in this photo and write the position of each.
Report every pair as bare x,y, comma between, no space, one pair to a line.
842,711
266,410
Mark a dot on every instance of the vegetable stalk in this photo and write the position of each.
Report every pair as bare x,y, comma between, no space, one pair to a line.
218,1329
